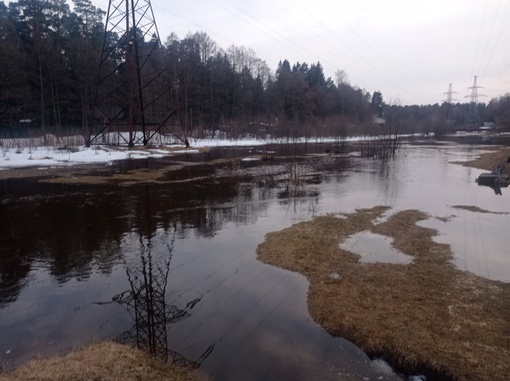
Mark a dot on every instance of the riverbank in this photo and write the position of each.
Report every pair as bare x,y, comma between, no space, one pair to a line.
425,317
105,361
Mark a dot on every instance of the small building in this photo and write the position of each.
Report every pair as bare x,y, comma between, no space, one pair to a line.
378,121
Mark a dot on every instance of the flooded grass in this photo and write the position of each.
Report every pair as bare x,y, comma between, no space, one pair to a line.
476,209
105,361
135,176
426,316
495,159
490,160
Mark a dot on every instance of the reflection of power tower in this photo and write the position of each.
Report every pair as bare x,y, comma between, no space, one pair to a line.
145,302
131,104
473,113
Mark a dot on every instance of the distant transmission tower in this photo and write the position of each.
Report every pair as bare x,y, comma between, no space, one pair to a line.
132,97
473,97
449,95
474,114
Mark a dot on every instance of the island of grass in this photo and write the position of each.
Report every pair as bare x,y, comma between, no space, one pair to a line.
106,361
426,316
492,159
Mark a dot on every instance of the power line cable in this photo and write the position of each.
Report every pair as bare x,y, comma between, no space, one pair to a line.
291,44
363,59
270,312
376,70
479,38
488,39
333,48
501,76
502,29
208,30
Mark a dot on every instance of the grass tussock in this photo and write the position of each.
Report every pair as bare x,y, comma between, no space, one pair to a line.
425,316
106,361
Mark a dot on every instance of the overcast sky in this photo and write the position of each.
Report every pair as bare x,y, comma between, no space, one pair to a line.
410,50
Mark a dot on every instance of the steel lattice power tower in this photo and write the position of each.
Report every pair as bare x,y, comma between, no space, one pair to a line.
449,95
474,115
133,94
449,100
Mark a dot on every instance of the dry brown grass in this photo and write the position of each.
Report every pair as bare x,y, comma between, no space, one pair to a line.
137,176
490,160
91,174
426,316
476,209
101,362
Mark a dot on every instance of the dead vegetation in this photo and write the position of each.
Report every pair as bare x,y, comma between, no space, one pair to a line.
476,209
136,176
106,361
426,316
490,160
495,161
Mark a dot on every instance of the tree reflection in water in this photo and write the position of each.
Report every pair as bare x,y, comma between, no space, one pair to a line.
146,304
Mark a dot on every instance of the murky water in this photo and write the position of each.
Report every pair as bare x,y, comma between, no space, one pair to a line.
173,267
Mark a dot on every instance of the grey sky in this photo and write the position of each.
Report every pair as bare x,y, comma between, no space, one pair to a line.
409,50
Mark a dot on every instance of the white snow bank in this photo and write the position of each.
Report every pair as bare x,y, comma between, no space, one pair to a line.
46,156
43,151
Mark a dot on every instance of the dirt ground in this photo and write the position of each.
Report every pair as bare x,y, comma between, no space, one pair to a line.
105,361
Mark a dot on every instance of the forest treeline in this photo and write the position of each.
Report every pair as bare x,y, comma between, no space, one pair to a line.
50,53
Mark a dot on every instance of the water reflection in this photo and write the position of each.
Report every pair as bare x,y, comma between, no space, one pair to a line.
145,302
73,235
77,231
496,189
63,248
374,248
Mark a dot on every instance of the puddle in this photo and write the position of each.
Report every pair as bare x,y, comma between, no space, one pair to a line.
373,248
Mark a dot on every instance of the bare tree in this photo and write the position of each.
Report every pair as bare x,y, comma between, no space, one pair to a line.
341,77
207,48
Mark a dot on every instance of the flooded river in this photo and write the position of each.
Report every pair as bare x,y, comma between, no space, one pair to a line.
172,267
